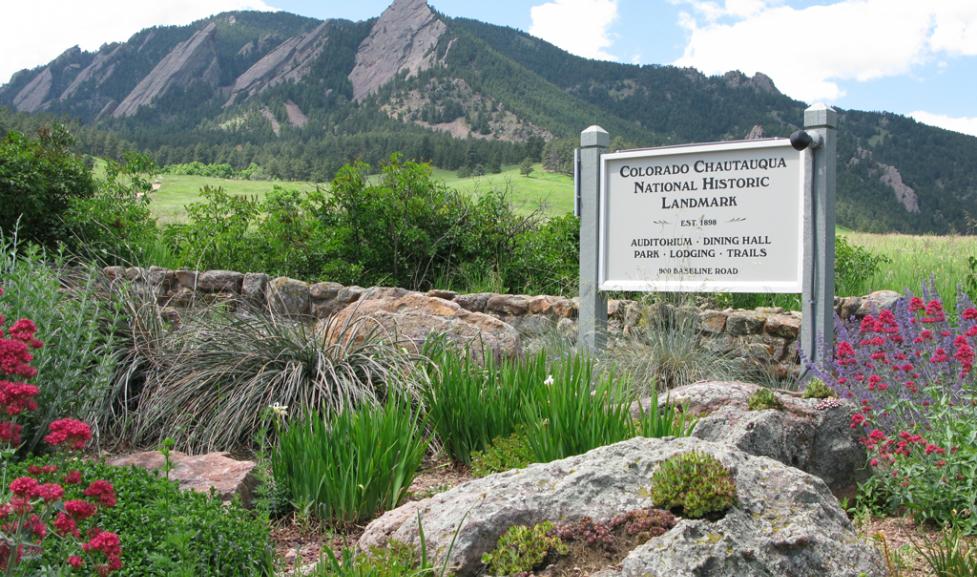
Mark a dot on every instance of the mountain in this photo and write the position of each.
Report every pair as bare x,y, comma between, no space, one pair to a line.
301,97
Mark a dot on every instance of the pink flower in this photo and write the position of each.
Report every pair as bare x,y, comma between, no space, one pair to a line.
103,491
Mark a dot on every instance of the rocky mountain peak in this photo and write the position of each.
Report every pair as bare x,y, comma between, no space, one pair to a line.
194,59
289,62
404,38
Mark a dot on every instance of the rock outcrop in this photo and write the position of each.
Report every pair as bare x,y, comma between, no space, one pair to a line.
404,38
812,435
415,317
32,97
785,522
202,473
289,62
193,60
98,71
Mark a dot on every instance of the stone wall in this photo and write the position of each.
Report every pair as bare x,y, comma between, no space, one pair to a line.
765,335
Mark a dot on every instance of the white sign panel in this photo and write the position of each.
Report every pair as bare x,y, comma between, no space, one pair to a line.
724,217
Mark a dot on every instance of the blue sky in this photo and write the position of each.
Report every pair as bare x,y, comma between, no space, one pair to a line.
913,57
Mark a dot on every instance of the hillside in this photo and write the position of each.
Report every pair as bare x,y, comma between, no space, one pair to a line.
301,97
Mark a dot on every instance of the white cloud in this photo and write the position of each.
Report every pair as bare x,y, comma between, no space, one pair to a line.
811,52
963,124
577,26
36,31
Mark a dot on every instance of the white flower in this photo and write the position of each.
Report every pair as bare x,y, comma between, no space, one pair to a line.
279,410
549,380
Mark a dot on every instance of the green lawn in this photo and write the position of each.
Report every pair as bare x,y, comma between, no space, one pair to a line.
176,191
552,193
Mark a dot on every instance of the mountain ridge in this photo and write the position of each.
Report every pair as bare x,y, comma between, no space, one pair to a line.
304,96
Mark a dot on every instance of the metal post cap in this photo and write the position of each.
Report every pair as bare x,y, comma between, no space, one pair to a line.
820,116
594,136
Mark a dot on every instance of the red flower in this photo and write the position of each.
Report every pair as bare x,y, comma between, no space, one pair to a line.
969,314
70,431
78,509
10,432
38,470
103,491
23,486
49,492
76,561
73,478
66,525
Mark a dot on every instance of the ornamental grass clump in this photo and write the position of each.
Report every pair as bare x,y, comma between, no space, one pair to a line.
910,370
694,485
353,466
222,371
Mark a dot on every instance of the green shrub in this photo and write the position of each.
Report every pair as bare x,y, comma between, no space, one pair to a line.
77,325
167,532
574,414
220,371
816,389
348,469
471,403
115,225
545,258
764,399
503,454
854,266
695,484
38,178
522,549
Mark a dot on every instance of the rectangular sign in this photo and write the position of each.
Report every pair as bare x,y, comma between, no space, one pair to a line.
724,217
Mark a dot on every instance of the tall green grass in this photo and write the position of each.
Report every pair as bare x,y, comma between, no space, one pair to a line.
470,403
352,467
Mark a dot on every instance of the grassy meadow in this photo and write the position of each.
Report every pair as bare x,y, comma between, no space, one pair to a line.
914,259
551,193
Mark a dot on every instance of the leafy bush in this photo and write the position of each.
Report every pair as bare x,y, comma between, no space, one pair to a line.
216,235
911,372
522,549
470,403
695,484
855,266
220,371
503,454
115,225
348,469
545,258
38,179
816,389
167,532
75,368
764,399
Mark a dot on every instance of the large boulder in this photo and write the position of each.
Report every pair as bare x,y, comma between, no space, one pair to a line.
786,522
415,317
219,472
810,434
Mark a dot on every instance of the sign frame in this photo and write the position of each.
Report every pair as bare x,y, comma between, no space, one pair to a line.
802,222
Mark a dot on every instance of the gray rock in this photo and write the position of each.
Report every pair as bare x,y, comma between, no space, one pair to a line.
290,61
507,305
402,40
877,302
191,61
786,522
784,325
740,323
220,281
712,322
253,287
289,297
415,317
816,440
